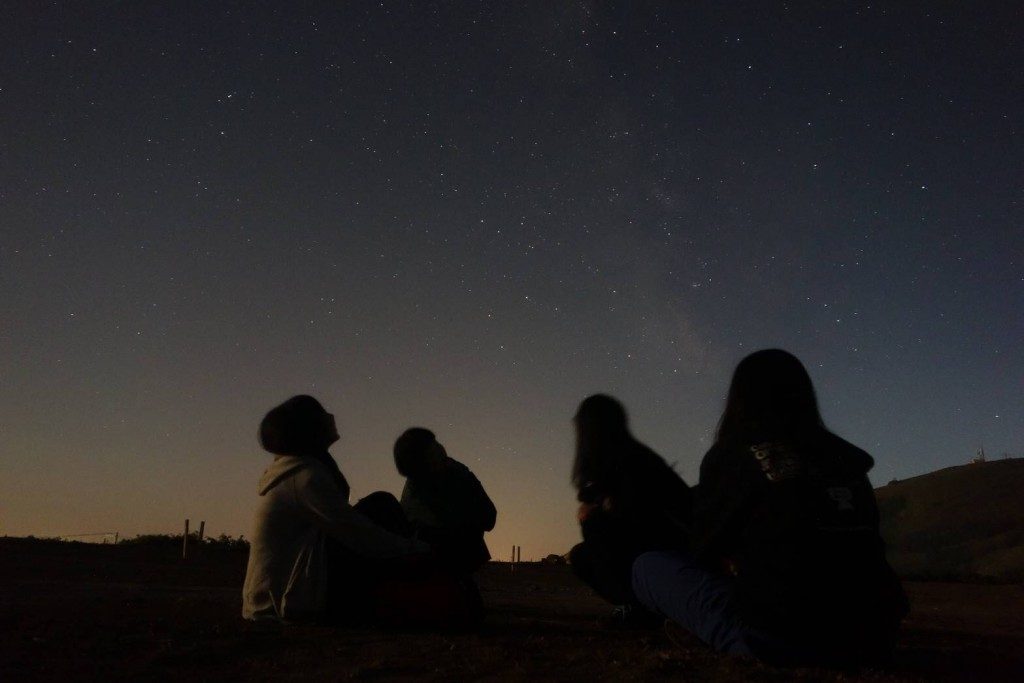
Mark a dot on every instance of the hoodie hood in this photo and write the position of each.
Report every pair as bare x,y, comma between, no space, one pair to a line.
862,461
281,469
854,458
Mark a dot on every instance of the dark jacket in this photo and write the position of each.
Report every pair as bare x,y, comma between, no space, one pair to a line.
451,511
644,498
797,523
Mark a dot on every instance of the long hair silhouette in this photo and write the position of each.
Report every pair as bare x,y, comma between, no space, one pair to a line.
602,440
770,396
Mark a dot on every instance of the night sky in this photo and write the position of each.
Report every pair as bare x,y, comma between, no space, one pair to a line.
469,216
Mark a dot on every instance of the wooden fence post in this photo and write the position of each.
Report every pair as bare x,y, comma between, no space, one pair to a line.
184,543
202,527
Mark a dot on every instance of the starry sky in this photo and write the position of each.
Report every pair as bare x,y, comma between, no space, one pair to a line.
469,216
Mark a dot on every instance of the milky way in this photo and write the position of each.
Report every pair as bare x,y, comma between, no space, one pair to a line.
469,216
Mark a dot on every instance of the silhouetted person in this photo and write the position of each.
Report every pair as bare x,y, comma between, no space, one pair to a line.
443,501
631,502
786,563
315,557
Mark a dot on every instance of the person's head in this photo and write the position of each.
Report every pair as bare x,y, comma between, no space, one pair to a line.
299,426
602,427
771,394
600,417
417,453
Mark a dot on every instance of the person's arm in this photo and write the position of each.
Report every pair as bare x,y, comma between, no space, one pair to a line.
461,502
676,500
317,495
485,514
720,502
416,508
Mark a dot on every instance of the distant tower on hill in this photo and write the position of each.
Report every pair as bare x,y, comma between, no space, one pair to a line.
980,457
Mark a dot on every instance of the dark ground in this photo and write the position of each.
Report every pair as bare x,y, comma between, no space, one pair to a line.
73,612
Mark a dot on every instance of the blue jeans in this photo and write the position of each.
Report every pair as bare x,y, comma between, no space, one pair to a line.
704,602
674,585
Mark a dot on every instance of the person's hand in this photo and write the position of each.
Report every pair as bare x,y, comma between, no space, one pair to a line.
584,511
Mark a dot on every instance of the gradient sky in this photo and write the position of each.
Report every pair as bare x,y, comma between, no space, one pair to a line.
469,216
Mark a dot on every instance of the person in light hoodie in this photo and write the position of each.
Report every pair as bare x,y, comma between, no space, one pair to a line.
315,557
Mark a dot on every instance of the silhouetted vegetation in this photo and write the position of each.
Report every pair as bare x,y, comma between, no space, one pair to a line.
223,541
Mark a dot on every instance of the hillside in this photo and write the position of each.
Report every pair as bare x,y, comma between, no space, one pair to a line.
960,522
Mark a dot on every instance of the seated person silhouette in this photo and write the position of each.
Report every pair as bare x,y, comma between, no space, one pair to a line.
444,502
631,502
786,562
315,557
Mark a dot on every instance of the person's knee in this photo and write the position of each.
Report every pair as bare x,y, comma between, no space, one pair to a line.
644,567
649,562
380,506
384,510
381,498
580,561
658,568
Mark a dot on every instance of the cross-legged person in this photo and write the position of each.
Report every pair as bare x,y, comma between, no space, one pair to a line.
786,564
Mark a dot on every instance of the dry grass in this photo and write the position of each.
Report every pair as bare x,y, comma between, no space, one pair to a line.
958,522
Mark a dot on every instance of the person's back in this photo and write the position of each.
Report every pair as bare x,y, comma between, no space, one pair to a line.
797,523
786,561
444,502
282,538
656,499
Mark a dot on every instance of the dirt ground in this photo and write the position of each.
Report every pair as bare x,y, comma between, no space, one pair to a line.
84,612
